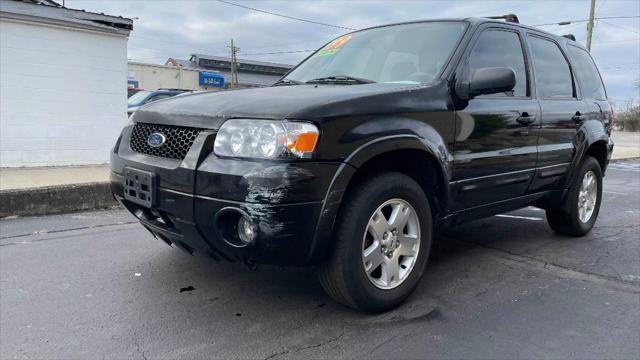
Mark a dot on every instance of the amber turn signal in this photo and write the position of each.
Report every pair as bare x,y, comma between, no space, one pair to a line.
305,143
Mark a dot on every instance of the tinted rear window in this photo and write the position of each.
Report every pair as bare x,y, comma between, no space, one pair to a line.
553,74
587,74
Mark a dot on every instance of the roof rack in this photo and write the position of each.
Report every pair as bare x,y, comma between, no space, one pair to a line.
512,18
569,36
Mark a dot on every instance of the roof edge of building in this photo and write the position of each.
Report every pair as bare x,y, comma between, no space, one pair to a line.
243,61
166,66
60,16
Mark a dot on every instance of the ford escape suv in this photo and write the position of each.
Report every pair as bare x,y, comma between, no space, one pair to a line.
355,158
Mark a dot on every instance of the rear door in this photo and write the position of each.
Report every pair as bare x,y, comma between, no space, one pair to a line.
496,135
562,110
592,88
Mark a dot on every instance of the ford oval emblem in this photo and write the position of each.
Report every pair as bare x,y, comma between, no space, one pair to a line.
156,139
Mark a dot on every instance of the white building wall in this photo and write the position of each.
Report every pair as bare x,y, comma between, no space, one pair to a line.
63,94
152,77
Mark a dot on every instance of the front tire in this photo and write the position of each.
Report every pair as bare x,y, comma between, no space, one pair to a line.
579,211
382,243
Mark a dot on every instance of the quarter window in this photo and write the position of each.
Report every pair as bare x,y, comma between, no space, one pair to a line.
553,74
498,48
587,74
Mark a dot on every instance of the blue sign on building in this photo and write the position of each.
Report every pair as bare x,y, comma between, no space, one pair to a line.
211,79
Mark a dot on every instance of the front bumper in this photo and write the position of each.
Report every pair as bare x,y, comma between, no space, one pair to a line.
284,200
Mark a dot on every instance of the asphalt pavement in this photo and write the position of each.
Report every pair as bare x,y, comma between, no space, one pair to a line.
96,285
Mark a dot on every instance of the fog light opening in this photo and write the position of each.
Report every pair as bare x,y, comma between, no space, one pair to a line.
235,227
246,230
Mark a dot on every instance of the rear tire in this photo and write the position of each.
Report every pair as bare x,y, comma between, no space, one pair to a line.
579,211
378,258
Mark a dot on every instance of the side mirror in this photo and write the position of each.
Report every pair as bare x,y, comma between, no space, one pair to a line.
488,81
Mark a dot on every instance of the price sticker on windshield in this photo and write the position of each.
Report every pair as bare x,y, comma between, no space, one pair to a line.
334,46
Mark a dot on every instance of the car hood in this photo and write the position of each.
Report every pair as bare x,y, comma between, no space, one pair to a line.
303,102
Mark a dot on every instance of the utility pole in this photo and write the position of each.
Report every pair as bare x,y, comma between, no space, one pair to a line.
590,24
234,65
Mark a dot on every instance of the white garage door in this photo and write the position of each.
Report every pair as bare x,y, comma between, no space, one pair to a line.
63,95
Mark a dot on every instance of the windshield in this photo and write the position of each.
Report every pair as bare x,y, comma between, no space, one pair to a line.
138,98
408,53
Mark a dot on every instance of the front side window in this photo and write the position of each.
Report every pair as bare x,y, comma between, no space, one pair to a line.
587,74
408,53
553,74
498,48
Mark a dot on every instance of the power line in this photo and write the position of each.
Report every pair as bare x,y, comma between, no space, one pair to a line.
620,27
585,20
616,41
285,16
617,17
305,42
615,70
280,52
621,64
564,28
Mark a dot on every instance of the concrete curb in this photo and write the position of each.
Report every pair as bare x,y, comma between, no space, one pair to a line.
56,199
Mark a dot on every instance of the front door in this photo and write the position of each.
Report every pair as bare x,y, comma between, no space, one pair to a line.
495,149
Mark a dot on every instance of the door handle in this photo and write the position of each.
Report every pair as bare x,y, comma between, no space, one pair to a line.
578,118
525,119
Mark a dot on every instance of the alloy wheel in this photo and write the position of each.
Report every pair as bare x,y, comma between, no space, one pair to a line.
391,243
587,196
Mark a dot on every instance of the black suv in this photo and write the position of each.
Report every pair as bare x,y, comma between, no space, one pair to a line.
362,152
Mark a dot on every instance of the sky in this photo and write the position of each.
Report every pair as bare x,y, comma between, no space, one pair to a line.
168,28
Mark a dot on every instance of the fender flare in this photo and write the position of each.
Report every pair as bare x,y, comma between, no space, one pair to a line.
596,133
347,170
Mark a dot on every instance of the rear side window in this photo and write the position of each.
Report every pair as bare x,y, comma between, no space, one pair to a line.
553,74
497,48
587,74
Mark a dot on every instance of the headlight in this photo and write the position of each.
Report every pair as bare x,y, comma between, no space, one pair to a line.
266,139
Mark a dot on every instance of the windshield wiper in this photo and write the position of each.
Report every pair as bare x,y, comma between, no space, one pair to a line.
288,82
340,79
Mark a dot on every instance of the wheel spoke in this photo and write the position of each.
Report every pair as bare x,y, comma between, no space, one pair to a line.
592,186
399,217
378,225
407,244
373,257
390,270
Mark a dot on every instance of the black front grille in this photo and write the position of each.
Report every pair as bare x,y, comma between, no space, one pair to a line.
178,140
